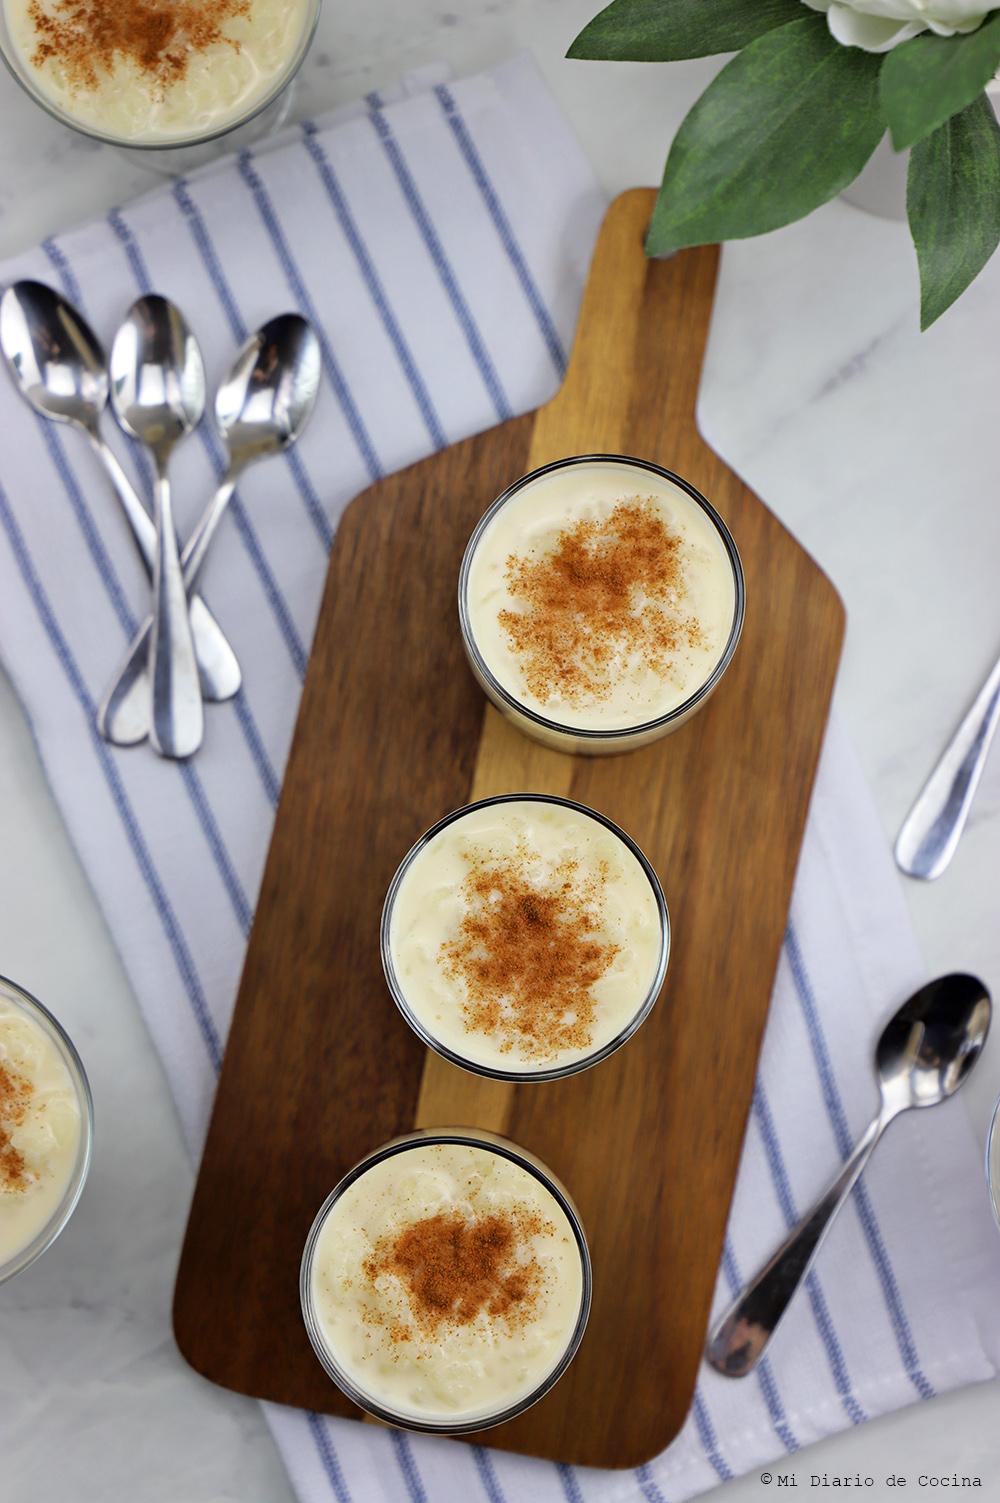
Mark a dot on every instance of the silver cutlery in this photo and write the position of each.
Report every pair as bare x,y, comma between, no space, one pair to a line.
931,831
158,393
60,369
924,1054
261,408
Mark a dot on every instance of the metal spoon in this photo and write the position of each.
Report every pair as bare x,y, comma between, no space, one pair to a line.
158,392
932,829
261,408
925,1052
60,369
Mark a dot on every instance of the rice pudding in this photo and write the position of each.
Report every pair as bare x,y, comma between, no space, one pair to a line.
445,1283
600,600
44,1130
525,937
157,72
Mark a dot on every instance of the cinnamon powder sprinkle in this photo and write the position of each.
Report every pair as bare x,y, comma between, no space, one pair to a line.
609,592
15,1093
88,38
529,956
455,1266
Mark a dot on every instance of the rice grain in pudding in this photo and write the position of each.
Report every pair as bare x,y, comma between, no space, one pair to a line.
151,72
446,1284
39,1130
525,937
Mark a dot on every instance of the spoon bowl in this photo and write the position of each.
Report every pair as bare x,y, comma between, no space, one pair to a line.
158,392
269,391
929,1046
157,375
923,1055
53,355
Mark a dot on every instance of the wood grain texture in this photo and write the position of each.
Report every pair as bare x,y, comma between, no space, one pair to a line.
320,1069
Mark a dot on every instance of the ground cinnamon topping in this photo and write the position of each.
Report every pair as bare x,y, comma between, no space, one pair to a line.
529,956
609,591
455,1265
87,38
15,1093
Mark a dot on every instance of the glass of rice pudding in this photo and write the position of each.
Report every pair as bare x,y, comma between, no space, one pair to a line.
525,937
46,1125
158,73
446,1283
600,599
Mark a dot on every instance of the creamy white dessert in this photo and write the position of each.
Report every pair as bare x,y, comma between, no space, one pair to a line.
600,595
525,937
39,1130
446,1283
156,71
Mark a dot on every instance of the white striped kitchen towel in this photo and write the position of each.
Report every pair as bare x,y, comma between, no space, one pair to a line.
439,241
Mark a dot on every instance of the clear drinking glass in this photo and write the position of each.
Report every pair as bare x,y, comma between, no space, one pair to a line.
62,1209
560,735
184,151
465,1421
526,1071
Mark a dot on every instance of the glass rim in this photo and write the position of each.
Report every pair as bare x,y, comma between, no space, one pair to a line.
22,76
554,1072
51,1026
586,734
993,1144
473,1138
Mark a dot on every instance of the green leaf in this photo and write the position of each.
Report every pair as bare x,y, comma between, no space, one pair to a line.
661,31
928,79
783,128
953,205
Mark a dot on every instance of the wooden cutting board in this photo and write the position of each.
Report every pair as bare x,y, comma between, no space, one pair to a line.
392,734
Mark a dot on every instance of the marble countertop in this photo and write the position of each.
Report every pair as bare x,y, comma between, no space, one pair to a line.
874,444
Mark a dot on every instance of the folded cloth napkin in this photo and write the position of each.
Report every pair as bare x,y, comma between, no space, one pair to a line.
439,241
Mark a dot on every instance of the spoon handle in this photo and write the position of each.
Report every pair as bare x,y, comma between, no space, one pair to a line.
220,672
933,827
177,720
741,1337
123,717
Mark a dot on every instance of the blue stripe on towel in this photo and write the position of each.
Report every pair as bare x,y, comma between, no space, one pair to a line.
570,1486
503,227
487,1474
244,714
161,903
255,745
95,545
217,846
133,254
763,1372
648,1488
408,1467
328,1457
297,286
706,1434
67,276
817,1299
838,1121
210,261
240,333
442,265
373,282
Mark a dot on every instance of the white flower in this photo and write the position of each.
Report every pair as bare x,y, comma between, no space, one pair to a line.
878,25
